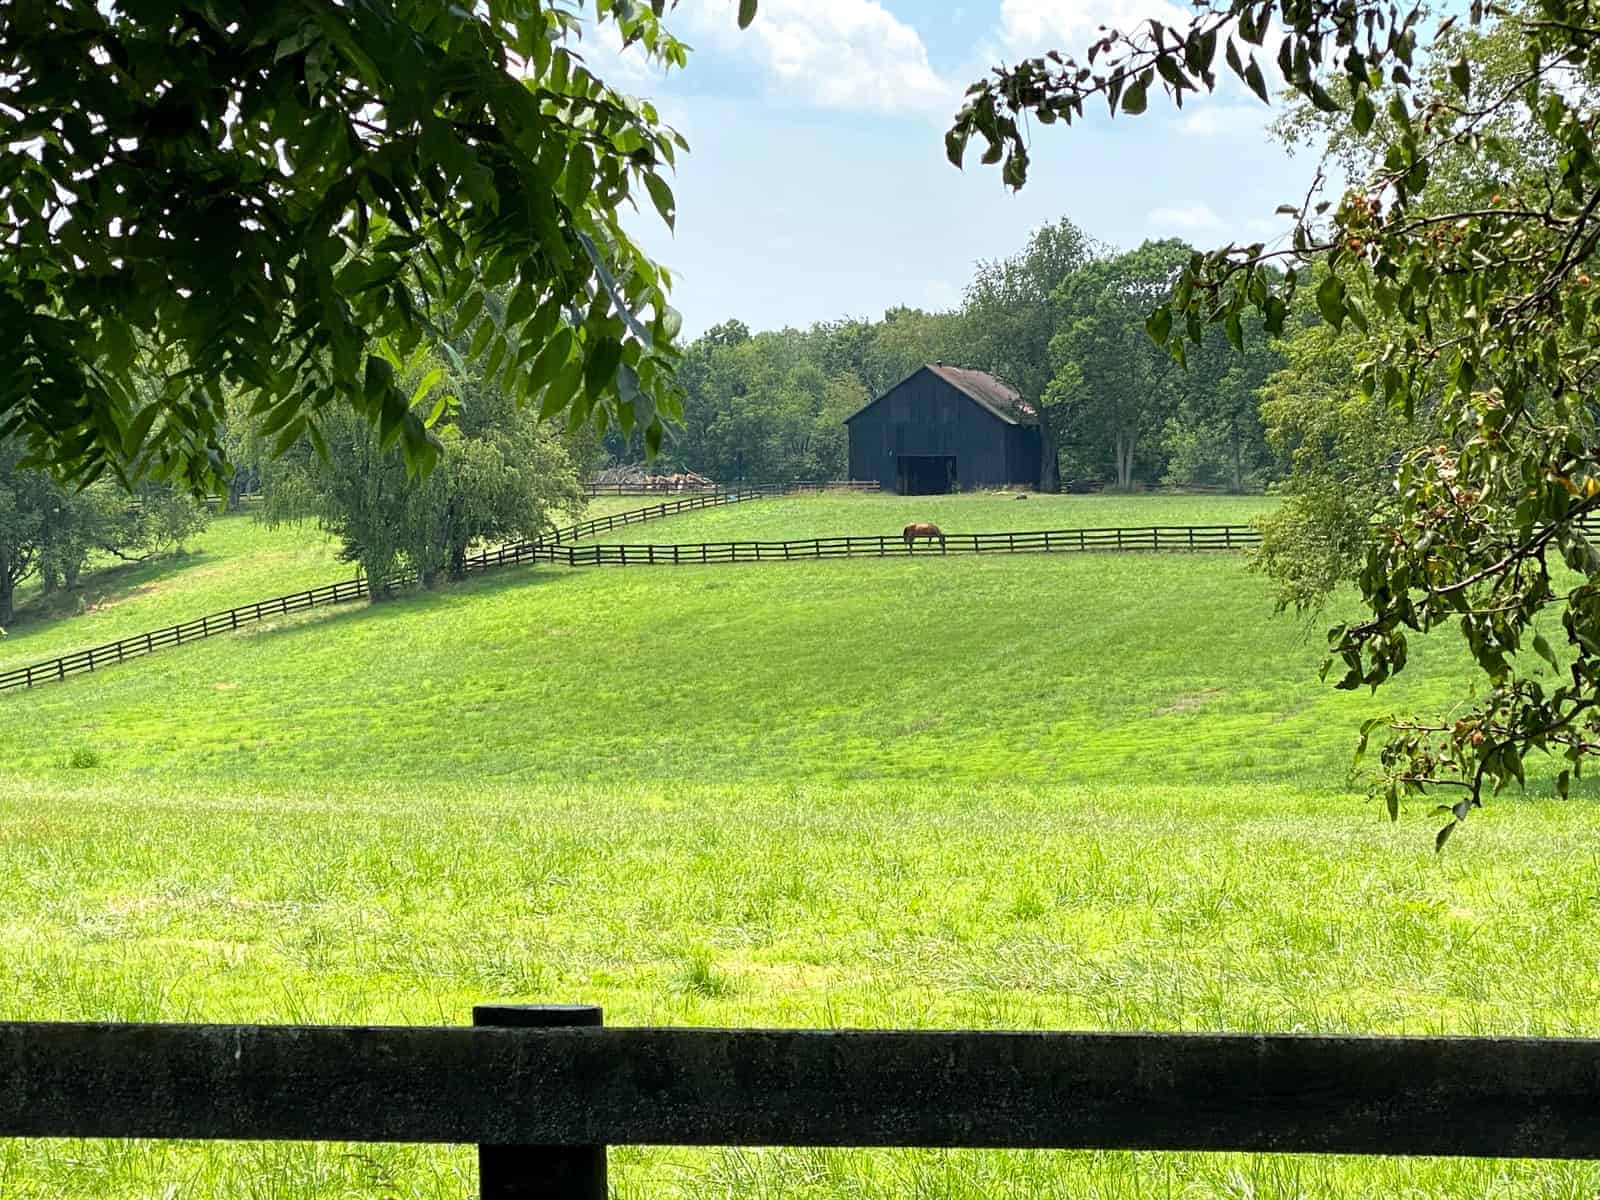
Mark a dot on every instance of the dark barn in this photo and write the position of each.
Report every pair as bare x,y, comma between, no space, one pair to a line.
943,428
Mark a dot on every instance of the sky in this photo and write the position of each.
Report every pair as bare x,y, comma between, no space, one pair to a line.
816,186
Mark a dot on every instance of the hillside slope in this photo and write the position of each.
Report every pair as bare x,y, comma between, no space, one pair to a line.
1072,668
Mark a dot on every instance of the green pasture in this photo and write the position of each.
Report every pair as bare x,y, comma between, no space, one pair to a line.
1085,791
237,559
790,517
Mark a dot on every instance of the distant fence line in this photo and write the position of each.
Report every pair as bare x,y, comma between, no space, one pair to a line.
1196,538
652,512
1033,541
770,489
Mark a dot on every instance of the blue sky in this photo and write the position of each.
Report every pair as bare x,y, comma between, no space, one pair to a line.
816,186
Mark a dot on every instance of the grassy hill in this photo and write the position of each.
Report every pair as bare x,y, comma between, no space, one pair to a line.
236,559
1078,791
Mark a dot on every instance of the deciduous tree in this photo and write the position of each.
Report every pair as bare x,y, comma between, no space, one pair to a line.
238,195
1468,265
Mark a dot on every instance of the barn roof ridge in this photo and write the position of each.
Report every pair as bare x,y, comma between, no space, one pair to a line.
988,391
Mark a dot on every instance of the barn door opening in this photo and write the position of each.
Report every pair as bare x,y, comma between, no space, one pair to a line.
925,474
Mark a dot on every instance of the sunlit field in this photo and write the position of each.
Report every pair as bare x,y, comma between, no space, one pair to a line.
1078,791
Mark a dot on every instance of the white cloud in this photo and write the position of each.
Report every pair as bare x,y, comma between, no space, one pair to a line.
1196,216
628,69
1033,26
1269,230
850,55
1206,118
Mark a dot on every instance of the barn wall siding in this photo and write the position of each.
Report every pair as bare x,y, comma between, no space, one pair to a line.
924,415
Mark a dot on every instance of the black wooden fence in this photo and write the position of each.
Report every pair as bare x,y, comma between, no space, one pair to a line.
137,646
1031,541
651,512
800,487
1041,541
543,1091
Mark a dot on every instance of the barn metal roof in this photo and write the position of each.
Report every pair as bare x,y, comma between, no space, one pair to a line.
988,392
998,396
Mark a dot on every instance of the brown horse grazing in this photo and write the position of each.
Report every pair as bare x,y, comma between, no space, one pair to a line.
922,530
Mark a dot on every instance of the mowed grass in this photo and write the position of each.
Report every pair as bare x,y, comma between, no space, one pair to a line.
792,517
1097,792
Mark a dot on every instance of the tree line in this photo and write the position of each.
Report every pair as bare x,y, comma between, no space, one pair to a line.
1062,320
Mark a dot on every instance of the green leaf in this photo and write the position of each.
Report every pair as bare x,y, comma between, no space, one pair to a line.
1159,325
747,13
1542,648
1330,300
379,381
600,372
1133,100
549,363
426,385
1361,116
1235,331
661,196
1443,837
1274,312
1253,77
470,308
1461,76
578,178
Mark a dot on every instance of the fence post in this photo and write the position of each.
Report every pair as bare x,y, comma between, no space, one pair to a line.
545,1172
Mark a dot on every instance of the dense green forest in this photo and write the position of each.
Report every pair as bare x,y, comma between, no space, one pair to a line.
1063,320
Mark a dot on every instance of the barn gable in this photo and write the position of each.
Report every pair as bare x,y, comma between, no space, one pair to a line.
943,428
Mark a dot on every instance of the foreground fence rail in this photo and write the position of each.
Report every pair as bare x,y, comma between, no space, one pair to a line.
544,1090
554,551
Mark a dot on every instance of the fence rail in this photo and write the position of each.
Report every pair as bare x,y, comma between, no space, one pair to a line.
1041,541
775,489
544,1090
141,644
651,512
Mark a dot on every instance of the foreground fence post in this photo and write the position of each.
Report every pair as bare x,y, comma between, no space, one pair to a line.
540,1172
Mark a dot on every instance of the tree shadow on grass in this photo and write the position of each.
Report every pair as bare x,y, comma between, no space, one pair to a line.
409,603
106,584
